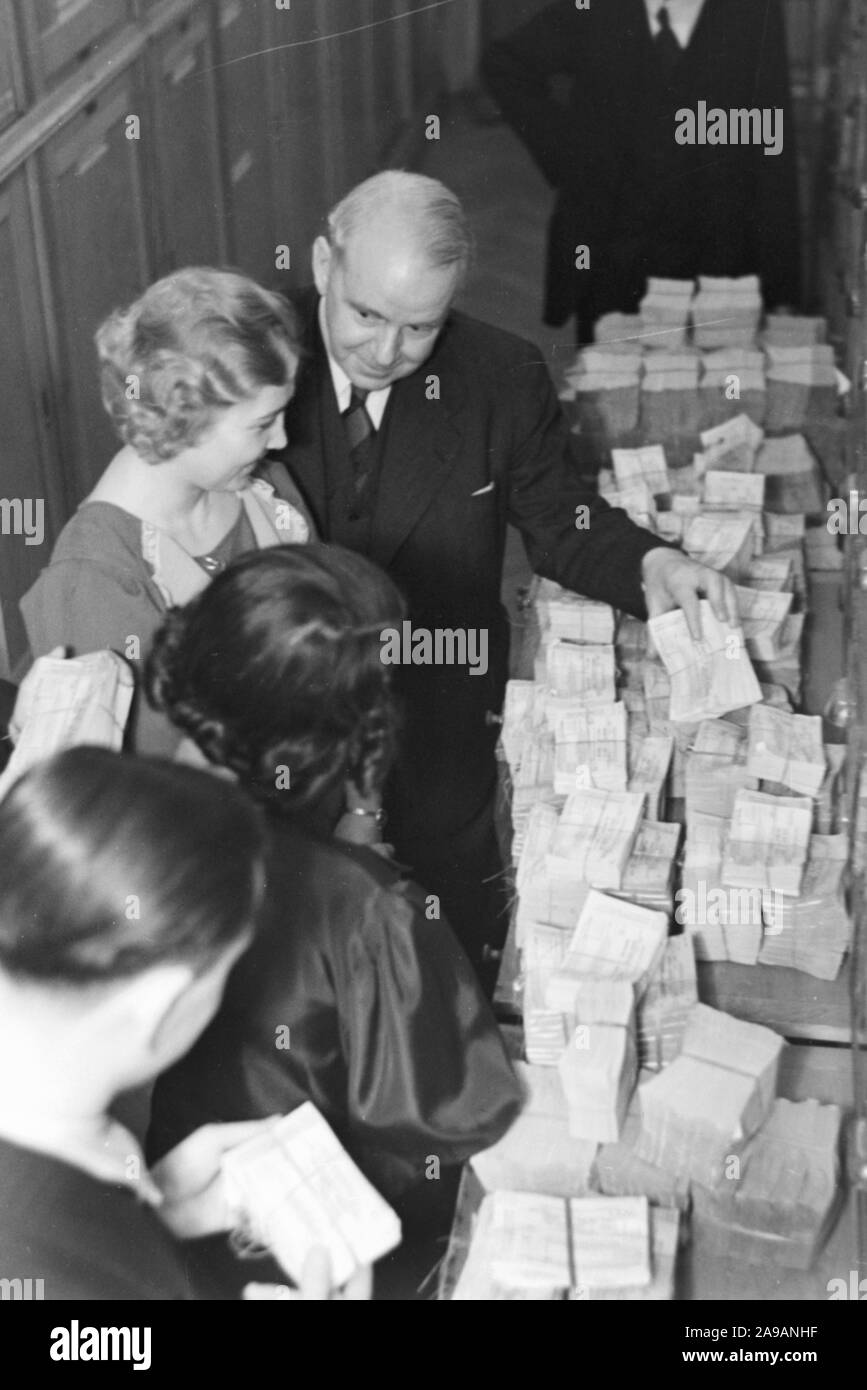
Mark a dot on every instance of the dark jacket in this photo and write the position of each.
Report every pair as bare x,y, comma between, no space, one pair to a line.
643,204
475,439
353,998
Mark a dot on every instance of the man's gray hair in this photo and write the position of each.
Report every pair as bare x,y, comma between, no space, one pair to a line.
431,212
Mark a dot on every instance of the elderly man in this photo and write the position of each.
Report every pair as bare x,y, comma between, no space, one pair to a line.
416,434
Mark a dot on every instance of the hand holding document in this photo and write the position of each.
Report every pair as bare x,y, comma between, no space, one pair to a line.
294,1188
710,677
65,702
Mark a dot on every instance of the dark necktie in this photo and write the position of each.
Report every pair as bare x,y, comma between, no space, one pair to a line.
360,439
668,50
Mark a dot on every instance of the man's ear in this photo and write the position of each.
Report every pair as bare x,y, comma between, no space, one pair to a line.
321,260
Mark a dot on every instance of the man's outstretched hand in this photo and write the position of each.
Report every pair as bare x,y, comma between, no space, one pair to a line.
672,580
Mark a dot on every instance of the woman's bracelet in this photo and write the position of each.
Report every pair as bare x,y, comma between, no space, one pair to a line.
378,816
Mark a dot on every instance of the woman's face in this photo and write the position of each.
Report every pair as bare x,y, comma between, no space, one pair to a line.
237,441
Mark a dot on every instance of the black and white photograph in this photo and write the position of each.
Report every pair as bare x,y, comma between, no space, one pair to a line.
433,667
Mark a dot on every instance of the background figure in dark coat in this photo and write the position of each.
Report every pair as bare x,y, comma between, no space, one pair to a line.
644,204
465,434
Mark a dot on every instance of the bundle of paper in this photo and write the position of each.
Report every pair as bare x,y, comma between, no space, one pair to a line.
636,707
811,933
793,330
294,1187
802,382
721,541
715,1094
595,836
784,533
781,1206
767,843
537,1153
793,480
591,749
531,880
619,331
665,1007
573,668
716,769
763,614
670,404
786,748
732,382
731,446
709,677
573,618
702,876
619,1172
532,772
771,572
598,1069
665,311
546,1036
65,702
615,941
648,879
523,709
648,771
726,311
601,390
734,492
671,370
524,1241
647,465
664,1238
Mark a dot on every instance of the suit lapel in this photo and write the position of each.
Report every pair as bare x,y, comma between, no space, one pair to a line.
422,449
305,454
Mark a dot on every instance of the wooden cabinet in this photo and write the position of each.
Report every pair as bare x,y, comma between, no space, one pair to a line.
242,80
10,103
60,33
192,226
31,508
98,250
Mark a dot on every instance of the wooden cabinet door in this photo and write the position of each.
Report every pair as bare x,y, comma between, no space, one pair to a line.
188,183
99,261
32,505
9,97
60,33
242,77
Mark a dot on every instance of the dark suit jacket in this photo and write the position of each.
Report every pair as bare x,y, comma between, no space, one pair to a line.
493,448
643,204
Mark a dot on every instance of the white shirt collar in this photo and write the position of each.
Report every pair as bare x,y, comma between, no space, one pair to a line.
682,13
376,400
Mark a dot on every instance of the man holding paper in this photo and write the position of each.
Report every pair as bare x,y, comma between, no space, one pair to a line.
416,434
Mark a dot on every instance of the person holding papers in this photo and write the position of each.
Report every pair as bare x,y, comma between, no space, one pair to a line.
128,889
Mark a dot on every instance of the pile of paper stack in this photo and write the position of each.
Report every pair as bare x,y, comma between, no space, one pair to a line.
779,1204
665,311
726,312
716,1093
538,1154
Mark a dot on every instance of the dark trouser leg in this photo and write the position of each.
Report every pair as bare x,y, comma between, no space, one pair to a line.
466,872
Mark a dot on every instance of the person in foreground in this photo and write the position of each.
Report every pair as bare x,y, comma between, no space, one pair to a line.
355,994
195,376
128,888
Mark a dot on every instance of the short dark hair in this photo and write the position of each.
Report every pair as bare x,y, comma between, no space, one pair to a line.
110,865
275,671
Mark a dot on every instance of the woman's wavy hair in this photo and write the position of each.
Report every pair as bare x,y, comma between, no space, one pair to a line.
275,672
196,342
111,865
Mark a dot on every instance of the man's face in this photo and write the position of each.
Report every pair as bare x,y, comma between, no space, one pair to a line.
384,305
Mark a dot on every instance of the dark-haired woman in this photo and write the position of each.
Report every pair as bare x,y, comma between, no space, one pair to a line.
128,889
195,375
356,994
